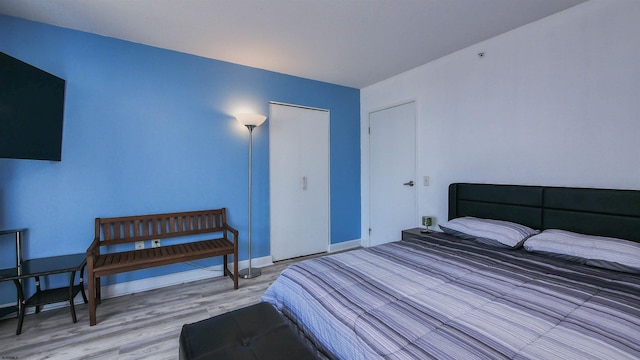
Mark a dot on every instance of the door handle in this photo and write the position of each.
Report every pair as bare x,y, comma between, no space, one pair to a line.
410,183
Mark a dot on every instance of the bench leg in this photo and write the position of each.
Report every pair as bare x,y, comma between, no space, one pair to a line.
226,272
91,282
235,271
98,293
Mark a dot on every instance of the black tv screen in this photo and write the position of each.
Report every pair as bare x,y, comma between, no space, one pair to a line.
31,111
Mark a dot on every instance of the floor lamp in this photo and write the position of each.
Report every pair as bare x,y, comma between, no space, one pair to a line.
250,121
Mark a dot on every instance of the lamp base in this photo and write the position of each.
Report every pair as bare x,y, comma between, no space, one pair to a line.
250,273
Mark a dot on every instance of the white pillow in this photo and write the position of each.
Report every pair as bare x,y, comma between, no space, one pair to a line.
492,232
605,252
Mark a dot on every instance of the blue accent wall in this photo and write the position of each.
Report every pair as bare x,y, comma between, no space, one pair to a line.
150,130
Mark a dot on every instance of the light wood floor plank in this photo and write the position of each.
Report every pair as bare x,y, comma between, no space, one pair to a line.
144,325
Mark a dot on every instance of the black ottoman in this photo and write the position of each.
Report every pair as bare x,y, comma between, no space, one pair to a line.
255,332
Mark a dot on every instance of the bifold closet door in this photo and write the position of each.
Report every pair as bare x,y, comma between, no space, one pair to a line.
299,181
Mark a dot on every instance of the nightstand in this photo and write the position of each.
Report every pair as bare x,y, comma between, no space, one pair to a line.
415,232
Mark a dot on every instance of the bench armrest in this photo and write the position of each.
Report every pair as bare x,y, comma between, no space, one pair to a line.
94,249
233,231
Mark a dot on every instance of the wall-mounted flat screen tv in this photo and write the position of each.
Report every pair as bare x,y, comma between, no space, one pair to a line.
31,111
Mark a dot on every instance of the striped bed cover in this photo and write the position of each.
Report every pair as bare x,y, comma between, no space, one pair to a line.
445,297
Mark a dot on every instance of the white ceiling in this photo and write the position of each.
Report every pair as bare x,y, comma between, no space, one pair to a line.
354,43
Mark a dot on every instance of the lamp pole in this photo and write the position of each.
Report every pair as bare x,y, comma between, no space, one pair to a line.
250,272
250,121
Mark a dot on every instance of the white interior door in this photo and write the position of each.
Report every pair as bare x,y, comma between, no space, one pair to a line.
392,173
299,181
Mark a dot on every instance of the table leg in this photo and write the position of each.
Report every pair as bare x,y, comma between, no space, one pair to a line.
84,295
21,307
19,236
37,278
71,305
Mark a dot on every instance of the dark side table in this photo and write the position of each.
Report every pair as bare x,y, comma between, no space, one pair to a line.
415,232
19,235
35,268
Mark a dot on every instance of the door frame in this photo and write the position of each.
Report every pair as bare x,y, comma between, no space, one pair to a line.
365,166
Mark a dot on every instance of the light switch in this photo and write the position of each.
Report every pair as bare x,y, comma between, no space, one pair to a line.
425,180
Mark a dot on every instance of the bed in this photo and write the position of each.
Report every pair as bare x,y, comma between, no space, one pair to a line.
441,296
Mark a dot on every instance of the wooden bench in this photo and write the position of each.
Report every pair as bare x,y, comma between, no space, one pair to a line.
129,229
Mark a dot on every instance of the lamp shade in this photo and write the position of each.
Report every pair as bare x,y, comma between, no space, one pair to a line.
248,119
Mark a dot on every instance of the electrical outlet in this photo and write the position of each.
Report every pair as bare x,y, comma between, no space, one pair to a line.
155,243
139,245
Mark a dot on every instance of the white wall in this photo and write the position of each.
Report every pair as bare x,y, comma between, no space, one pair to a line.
555,102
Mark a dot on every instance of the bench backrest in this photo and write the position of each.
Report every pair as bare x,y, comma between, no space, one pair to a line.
127,229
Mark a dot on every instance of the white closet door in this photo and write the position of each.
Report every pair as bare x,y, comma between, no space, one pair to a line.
299,181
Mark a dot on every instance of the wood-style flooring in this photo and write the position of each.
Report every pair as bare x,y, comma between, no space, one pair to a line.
144,325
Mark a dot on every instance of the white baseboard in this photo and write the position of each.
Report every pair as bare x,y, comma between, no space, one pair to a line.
345,245
157,282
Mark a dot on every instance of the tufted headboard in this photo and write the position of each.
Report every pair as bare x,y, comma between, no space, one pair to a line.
604,212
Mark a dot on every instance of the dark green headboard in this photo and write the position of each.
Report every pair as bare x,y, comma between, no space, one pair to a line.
604,212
